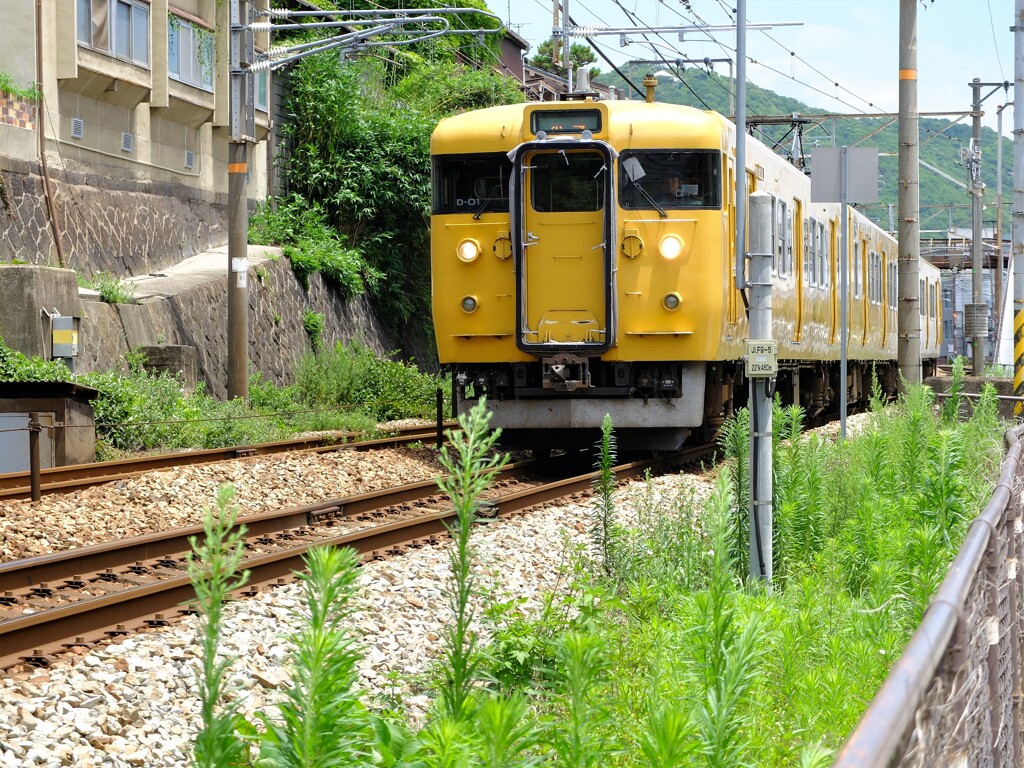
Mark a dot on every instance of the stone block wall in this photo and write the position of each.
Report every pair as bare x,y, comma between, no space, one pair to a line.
198,318
120,226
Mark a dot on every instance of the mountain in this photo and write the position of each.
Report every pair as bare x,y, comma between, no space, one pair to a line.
943,203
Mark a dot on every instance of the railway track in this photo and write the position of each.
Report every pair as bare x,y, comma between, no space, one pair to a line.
18,485
53,603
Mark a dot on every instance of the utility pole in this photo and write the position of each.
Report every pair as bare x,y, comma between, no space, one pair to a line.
971,316
976,313
238,209
908,348
1017,229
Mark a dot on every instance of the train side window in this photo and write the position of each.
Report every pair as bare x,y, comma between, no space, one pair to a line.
674,179
822,256
567,181
780,243
789,242
775,234
808,269
921,297
856,269
471,183
872,258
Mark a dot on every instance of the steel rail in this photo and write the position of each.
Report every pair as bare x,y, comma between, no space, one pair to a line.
34,637
56,567
16,485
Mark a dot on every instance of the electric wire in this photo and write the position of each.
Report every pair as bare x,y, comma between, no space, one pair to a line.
636,20
802,60
995,42
727,50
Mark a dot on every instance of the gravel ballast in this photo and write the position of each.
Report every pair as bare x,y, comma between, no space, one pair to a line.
135,702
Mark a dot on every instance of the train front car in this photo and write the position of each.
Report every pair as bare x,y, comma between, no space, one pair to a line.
580,258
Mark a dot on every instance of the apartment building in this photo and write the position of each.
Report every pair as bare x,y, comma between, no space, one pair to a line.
132,129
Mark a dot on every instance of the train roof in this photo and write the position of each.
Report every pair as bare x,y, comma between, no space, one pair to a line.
623,124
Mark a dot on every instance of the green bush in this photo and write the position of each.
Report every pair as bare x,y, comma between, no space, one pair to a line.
354,375
312,245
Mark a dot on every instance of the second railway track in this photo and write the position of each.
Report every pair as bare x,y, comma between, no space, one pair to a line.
51,603
17,485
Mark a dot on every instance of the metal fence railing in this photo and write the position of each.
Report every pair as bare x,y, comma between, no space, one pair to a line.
954,697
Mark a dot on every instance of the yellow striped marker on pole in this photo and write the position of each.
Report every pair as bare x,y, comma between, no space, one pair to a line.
1018,354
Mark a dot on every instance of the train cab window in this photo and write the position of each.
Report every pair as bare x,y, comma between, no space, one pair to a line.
670,179
473,184
567,181
775,234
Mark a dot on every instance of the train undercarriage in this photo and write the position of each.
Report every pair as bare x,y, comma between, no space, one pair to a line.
561,401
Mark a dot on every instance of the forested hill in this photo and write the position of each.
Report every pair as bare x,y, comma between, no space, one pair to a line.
942,201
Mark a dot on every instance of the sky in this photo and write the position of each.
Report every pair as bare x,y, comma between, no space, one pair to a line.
854,43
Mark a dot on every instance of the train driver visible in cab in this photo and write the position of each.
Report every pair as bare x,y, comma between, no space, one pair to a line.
675,191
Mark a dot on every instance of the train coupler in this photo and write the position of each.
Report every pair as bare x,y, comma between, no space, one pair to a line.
566,373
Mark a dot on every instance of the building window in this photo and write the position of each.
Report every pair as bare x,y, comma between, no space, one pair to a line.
120,27
190,53
262,86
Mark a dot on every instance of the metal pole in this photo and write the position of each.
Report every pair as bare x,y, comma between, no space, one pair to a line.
238,218
566,47
760,399
844,292
440,418
1017,227
34,427
997,298
741,143
908,348
977,264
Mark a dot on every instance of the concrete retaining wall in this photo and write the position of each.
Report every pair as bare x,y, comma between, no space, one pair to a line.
197,318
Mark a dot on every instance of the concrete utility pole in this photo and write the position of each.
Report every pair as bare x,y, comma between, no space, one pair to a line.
761,369
1017,229
975,310
238,212
908,348
976,313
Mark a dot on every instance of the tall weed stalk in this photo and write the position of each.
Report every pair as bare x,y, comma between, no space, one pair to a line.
471,467
213,567
603,519
321,721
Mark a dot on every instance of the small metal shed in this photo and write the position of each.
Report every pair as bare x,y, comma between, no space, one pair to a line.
66,413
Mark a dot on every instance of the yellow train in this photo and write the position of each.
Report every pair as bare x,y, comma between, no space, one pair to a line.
583,263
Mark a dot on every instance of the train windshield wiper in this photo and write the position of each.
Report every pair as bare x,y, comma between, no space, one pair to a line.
651,200
483,205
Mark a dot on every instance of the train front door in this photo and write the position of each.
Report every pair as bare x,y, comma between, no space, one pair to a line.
565,258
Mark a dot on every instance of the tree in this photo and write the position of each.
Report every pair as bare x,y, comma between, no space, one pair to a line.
580,54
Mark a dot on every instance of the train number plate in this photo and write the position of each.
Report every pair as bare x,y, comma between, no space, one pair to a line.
762,358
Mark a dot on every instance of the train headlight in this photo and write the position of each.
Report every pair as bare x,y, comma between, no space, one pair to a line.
468,249
671,301
469,304
671,246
